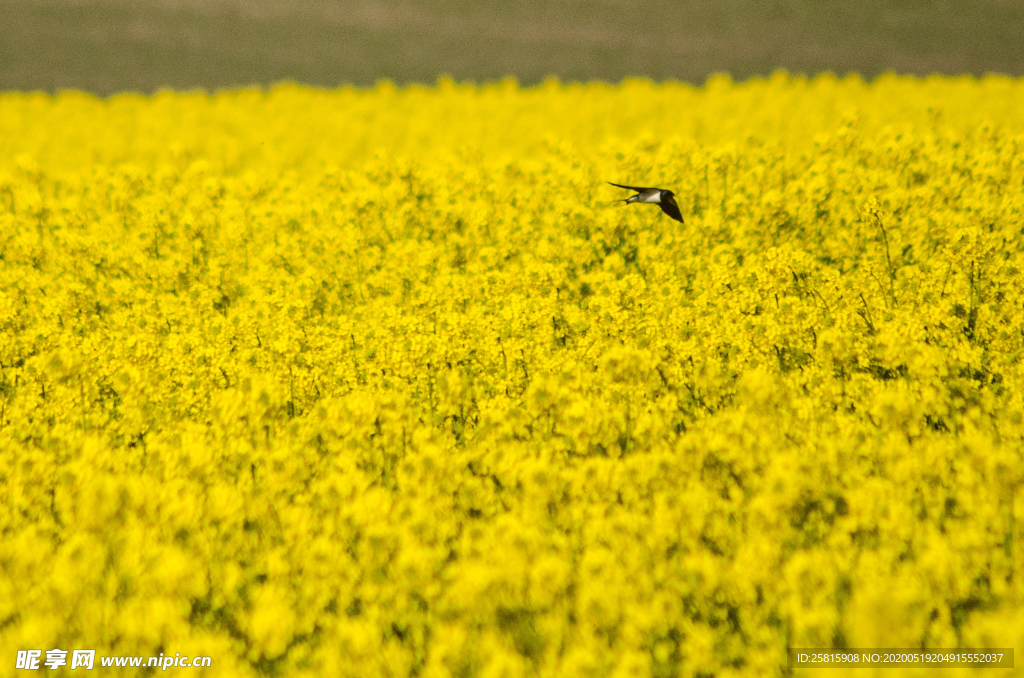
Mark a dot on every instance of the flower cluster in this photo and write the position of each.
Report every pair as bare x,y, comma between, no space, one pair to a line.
377,383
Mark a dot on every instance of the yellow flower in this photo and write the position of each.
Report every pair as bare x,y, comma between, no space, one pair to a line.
371,383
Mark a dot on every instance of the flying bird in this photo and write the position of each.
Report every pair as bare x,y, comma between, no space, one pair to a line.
664,199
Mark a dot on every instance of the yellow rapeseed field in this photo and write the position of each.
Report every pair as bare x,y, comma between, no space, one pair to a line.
376,383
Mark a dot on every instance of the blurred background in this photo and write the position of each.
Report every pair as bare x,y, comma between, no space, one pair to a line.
106,46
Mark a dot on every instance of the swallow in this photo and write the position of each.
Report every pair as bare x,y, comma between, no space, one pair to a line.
664,199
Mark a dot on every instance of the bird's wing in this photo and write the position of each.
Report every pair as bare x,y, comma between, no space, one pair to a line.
638,189
672,209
